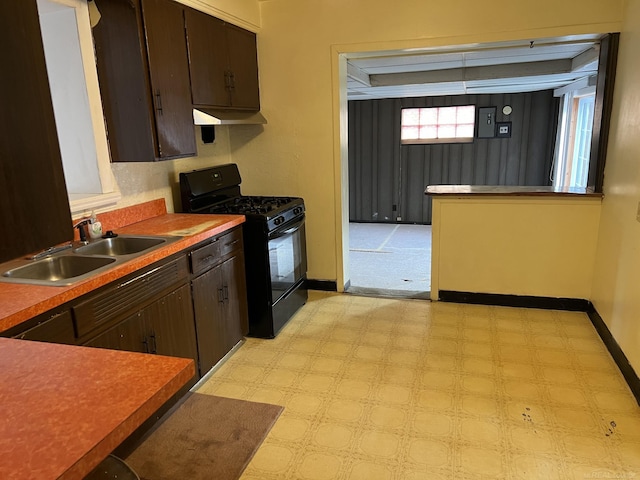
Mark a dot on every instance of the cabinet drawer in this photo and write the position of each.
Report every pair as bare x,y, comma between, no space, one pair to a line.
211,254
205,257
230,242
128,295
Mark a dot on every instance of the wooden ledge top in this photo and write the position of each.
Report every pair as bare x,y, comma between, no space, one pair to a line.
513,191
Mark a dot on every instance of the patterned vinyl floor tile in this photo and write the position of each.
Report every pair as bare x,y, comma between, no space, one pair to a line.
397,389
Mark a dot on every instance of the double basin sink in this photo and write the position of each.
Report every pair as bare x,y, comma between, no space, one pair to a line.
80,263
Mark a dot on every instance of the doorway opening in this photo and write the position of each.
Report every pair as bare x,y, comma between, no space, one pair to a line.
390,259
526,86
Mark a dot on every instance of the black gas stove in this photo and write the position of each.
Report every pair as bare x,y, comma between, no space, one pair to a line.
274,210
274,242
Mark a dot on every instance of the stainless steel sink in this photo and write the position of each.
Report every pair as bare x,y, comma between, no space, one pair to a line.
121,245
70,266
57,270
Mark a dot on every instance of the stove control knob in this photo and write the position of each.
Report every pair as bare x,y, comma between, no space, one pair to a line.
279,220
297,210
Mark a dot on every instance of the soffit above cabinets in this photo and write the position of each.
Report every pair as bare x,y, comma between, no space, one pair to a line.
505,67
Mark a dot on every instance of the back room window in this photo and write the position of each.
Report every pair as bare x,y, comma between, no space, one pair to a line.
438,125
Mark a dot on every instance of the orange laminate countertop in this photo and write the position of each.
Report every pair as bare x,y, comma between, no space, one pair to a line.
20,302
65,408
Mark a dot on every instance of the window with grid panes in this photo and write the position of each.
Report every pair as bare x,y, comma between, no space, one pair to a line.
438,124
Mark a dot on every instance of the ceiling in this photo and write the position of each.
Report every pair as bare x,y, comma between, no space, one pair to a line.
506,67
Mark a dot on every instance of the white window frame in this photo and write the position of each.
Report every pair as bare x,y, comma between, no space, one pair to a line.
564,170
88,176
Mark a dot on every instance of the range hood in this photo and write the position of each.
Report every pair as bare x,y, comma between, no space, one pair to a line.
213,116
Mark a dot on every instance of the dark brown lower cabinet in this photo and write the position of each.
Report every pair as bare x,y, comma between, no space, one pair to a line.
54,327
192,309
220,302
165,327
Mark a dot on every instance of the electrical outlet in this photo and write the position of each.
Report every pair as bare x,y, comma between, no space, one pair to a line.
398,219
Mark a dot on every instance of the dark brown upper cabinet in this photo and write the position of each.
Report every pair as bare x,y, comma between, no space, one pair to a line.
143,73
223,63
34,212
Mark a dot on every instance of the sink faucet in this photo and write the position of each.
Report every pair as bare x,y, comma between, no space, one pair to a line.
81,229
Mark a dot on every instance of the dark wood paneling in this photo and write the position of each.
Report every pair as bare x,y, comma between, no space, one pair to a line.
382,173
374,138
35,208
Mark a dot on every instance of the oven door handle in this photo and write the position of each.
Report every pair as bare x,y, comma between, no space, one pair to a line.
292,229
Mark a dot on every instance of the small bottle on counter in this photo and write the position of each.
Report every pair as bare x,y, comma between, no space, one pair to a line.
94,227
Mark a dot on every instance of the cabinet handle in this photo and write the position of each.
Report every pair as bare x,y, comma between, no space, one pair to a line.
220,296
154,348
232,243
146,345
226,293
227,79
158,102
232,81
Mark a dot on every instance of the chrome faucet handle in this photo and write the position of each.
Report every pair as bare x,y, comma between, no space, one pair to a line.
50,251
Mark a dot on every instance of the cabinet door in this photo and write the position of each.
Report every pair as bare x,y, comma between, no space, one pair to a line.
124,82
58,328
208,306
208,64
169,72
130,335
170,325
243,63
32,181
235,295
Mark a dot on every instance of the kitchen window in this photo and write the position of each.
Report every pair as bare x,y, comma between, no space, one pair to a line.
438,125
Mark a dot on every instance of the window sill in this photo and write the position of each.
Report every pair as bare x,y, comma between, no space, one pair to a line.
81,203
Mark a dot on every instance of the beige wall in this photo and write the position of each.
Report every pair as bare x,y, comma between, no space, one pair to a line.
140,182
300,45
616,286
299,42
539,246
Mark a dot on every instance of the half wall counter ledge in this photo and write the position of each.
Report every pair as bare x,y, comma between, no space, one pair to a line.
513,241
502,190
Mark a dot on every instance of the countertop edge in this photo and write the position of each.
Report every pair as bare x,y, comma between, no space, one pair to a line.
52,297
100,451
507,191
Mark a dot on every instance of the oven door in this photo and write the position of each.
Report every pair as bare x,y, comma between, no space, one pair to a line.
287,257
